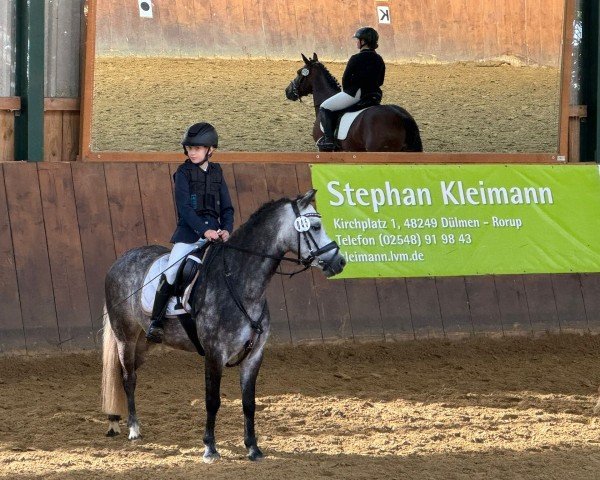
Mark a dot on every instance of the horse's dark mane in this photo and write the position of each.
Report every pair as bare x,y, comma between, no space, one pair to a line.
256,217
329,77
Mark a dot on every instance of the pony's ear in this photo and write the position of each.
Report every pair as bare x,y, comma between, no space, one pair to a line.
304,200
315,59
306,60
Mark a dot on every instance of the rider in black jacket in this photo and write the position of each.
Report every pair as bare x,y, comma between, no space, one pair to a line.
363,77
204,212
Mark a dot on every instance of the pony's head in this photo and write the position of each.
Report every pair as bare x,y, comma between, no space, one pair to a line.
305,235
312,75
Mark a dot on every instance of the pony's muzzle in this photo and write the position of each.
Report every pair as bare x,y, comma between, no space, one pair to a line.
291,92
334,266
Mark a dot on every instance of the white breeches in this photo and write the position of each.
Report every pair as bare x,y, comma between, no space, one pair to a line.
340,101
179,251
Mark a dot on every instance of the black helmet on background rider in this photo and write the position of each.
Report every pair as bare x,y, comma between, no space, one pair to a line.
200,135
369,35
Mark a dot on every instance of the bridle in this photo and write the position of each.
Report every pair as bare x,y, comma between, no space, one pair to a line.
295,83
302,226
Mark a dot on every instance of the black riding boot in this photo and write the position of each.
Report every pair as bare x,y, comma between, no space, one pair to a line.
327,142
163,293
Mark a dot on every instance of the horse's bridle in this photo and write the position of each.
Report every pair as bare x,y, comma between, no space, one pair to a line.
295,83
303,229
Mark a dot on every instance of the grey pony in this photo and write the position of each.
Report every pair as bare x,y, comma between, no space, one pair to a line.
222,328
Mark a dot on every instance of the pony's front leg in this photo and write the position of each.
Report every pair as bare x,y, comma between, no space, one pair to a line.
248,373
213,370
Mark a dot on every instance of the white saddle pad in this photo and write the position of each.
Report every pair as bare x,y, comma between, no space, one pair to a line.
151,281
346,123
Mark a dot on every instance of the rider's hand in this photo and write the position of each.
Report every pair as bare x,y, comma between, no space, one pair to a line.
211,235
223,234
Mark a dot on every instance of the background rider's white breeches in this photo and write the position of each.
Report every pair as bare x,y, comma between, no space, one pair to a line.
179,251
340,101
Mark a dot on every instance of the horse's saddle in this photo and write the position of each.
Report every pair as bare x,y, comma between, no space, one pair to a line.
346,116
187,274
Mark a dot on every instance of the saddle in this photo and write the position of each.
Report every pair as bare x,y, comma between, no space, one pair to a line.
187,279
343,122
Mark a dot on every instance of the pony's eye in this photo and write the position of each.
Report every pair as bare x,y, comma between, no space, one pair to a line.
316,227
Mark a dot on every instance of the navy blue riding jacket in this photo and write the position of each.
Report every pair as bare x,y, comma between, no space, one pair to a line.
203,202
365,70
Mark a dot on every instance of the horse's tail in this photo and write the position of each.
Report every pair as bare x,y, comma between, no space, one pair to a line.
413,135
114,400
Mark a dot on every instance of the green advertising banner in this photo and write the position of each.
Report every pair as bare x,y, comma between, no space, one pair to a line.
447,220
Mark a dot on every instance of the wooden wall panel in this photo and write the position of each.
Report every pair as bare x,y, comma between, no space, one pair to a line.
231,186
454,306
512,302
66,258
12,337
591,296
445,30
53,136
424,307
7,136
568,296
541,304
125,206
363,304
31,256
157,202
70,136
95,230
483,305
395,309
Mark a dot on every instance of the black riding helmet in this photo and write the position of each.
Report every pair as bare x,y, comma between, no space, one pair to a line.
200,135
369,35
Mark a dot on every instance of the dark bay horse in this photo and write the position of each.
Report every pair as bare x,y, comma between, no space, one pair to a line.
382,128
229,309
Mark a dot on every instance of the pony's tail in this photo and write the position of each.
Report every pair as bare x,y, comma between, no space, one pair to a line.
114,400
413,136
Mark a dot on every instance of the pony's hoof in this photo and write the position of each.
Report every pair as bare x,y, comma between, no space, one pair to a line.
211,457
255,454
113,428
134,432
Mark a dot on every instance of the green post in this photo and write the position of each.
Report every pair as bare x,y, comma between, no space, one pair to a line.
590,80
29,125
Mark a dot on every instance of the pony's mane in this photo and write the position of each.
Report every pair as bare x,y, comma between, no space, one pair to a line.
328,76
263,210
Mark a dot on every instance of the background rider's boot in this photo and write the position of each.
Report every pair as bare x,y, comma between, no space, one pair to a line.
163,293
327,142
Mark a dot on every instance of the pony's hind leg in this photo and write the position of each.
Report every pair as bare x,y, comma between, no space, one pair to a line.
130,354
213,371
248,373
